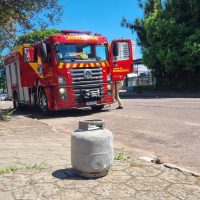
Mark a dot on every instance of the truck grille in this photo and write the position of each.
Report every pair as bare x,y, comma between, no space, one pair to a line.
82,84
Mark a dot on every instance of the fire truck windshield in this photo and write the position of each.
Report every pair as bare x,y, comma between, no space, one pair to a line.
81,52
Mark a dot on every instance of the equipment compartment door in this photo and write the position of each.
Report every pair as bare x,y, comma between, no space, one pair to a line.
121,57
8,81
23,91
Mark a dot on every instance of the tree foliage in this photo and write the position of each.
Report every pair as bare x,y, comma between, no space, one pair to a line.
19,16
169,35
35,36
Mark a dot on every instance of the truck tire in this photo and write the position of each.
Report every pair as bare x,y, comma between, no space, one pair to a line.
43,102
17,106
97,108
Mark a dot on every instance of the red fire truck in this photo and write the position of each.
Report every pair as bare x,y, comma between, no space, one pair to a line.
72,69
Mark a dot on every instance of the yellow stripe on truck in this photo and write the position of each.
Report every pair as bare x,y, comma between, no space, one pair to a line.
68,65
107,63
74,65
34,66
60,65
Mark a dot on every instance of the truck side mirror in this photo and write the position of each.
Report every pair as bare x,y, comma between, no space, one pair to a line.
43,51
115,49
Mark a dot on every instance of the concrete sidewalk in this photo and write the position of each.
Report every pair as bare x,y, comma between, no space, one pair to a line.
41,158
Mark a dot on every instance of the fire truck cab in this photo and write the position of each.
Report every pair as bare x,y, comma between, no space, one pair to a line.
72,69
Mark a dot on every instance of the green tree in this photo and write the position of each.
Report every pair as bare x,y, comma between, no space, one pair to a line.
169,36
20,16
35,36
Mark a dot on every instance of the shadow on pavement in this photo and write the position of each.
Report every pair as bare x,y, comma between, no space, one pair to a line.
64,174
35,113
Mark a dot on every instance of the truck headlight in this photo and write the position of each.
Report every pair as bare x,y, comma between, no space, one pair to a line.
63,93
61,80
62,90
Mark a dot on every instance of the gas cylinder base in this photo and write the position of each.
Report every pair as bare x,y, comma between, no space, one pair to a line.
91,175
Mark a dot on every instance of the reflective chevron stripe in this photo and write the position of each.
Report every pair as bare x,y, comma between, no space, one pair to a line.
107,64
61,65
83,65
75,65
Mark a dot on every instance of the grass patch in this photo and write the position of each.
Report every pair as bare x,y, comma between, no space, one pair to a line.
10,169
5,115
36,166
13,169
121,156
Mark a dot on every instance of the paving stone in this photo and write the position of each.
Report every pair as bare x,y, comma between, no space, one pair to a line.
6,196
146,171
116,177
42,177
84,186
11,182
114,190
71,195
148,195
38,191
184,191
150,183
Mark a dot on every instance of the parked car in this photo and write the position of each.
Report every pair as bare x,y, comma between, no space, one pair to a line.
3,97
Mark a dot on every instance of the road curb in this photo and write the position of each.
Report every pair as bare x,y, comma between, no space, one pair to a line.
170,165
159,95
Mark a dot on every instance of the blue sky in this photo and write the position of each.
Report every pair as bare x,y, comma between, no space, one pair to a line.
100,17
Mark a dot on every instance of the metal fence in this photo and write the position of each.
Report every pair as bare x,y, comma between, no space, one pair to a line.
145,81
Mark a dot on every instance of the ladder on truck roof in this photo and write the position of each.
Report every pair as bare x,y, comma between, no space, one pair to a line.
68,32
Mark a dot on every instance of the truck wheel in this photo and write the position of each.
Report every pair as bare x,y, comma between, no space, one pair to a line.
97,108
17,106
43,102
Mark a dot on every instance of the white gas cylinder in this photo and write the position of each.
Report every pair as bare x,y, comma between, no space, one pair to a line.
92,149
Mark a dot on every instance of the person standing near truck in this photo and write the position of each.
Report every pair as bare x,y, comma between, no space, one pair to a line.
118,86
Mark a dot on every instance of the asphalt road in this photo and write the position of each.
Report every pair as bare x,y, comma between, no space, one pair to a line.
167,128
